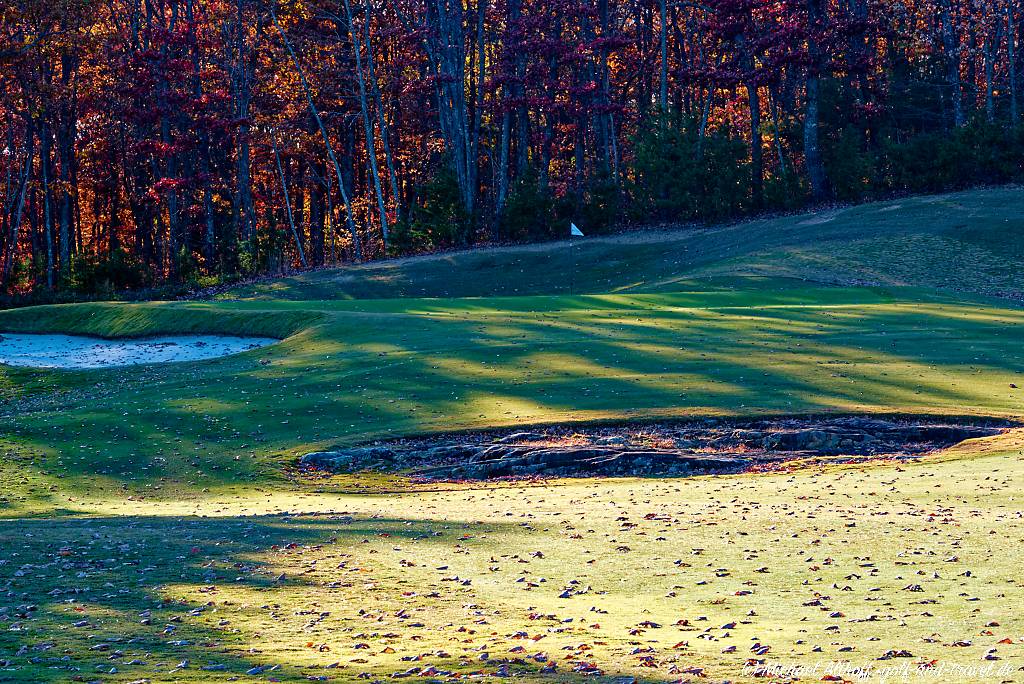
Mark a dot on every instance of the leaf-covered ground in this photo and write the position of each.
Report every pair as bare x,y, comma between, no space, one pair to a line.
152,526
665,580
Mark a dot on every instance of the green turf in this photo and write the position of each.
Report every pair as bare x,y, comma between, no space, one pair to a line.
970,241
147,514
383,368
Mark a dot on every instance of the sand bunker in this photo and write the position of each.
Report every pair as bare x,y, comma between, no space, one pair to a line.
70,351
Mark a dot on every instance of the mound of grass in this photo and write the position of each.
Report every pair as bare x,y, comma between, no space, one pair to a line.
140,320
970,241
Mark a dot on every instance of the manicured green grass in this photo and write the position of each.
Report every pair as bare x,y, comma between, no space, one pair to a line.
970,241
152,511
383,368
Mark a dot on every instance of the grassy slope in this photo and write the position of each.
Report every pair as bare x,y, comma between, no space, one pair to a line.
199,448
380,368
970,241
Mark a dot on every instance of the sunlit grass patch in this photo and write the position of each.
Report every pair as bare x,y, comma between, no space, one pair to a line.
368,370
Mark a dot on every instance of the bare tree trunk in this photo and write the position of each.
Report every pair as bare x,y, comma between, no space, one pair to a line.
521,116
774,104
615,147
812,149
19,208
330,221
754,108
204,140
371,143
549,115
951,48
991,47
356,243
663,92
478,105
170,170
589,110
66,151
9,193
241,92
756,151
446,45
607,122
44,164
389,160
320,176
1012,61
503,171
503,158
287,200
704,115
1011,55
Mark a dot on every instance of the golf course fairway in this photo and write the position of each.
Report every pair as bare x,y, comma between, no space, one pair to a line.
155,526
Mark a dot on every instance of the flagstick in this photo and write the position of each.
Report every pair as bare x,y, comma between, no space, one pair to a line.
572,264
574,232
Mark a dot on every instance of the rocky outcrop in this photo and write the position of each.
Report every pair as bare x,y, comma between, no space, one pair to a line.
349,459
853,438
683,449
502,461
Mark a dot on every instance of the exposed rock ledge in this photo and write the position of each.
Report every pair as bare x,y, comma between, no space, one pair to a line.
680,449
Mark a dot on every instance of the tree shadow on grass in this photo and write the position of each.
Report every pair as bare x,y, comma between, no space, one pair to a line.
362,376
139,598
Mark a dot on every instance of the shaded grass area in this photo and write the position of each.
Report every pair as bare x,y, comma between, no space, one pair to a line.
154,318
658,579
189,598
969,241
384,368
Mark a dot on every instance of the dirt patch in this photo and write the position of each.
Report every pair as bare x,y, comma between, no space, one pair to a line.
696,448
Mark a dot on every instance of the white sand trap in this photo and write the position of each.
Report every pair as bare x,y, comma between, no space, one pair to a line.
71,351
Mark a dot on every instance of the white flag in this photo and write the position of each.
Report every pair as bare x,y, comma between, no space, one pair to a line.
574,231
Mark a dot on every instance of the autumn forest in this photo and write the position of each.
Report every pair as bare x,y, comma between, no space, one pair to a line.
184,143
